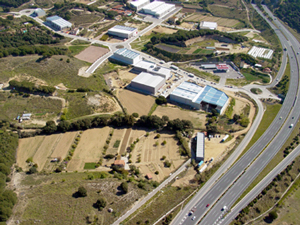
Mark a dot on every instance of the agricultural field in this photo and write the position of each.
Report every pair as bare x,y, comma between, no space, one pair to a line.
230,13
12,105
164,30
43,148
116,140
196,17
136,102
148,153
89,148
52,199
197,118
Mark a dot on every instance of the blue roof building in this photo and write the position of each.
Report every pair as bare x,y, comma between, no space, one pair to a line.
195,96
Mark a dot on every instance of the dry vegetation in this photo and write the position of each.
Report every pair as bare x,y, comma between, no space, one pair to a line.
196,17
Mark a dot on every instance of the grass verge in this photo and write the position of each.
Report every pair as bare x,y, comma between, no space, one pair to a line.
89,166
154,106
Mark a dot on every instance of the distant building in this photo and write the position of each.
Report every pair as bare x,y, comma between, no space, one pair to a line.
258,52
120,163
200,147
138,4
126,56
149,67
172,20
122,31
147,83
197,97
39,12
208,25
149,176
208,66
222,68
58,23
158,9
26,116
267,70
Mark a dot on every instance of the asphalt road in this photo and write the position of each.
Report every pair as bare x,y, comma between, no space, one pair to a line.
240,169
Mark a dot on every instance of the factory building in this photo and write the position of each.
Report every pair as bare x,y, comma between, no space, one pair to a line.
222,68
208,66
126,56
122,31
158,9
147,83
138,4
39,12
208,25
58,23
149,67
197,97
200,147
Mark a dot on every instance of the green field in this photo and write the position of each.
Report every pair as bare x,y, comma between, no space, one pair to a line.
89,166
139,43
76,49
54,71
12,105
117,143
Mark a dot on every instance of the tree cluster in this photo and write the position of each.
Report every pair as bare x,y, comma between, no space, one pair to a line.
9,144
13,3
182,36
29,87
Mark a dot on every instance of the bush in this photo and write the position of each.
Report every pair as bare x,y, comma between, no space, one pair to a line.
164,142
156,172
109,156
161,100
157,136
135,115
124,187
100,204
82,192
273,215
167,163
32,170
163,157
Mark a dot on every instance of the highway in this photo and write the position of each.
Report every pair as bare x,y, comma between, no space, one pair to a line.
278,129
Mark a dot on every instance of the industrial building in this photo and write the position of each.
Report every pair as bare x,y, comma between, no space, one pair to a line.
208,66
39,12
58,23
200,147
197,97
261,52
126,56
149,67
147,83
208,25
122,31
222,68
137,5
158,9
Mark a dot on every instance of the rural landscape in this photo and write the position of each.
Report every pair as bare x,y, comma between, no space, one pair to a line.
149,112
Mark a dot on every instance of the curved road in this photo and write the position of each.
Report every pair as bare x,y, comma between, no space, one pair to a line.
278,128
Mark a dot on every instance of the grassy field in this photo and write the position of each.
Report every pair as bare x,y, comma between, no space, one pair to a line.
89,166
158,205
53,71
51,199
248,79
230,13
12,105
76,49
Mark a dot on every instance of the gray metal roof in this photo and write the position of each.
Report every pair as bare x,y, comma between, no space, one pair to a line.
127,53
59,21
148,79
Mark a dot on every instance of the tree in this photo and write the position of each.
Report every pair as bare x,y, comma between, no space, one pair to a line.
50,127
236,117
167,163
4,169
100,204
82,192
63,126
124,186
273,215
244,122
135,115
161,100
164,142
32,170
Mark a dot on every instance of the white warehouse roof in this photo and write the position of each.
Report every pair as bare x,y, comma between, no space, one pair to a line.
153,68
163,8
122,29
153,5
138,3
148,79
127,53
59,21
200,145
210,25
188,90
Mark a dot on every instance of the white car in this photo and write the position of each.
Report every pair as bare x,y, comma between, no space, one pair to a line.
291,125
194,217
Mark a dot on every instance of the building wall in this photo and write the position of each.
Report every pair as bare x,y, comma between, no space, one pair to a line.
140,6
185,101
164,12
126,60
119,34
145,88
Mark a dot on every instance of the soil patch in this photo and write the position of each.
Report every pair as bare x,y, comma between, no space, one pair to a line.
64,145
92,53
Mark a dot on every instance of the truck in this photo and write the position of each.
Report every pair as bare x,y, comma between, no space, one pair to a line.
203,168
200,163
174,67
224,139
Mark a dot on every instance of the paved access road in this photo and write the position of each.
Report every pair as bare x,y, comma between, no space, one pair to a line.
279,127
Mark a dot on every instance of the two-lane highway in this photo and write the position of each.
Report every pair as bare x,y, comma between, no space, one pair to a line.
278,128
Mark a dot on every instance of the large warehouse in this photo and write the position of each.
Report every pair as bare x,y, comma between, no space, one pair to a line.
158,9
126,56
200,147
197,97
208,25
58,23
138,4
149,67
122,31
147,83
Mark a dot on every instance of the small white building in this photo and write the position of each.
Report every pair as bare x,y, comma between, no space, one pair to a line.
126,56
158,9
122,31
138,4
147,83
208,25
26,116
200,147
39,12
58,23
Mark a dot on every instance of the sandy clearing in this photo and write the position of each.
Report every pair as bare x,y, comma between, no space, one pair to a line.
75,165
45,150
126,75
165,30
91,53
124,142
136,102
90,146
64,145
27,148
187,25
198,119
